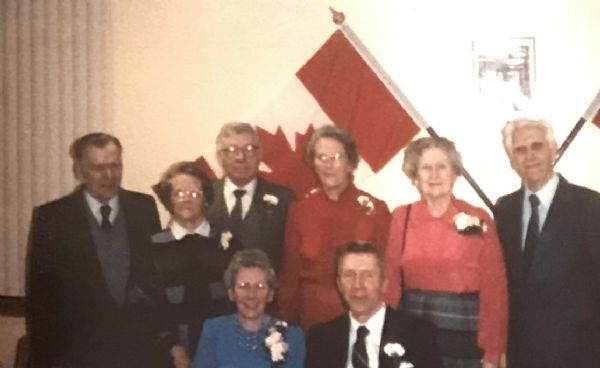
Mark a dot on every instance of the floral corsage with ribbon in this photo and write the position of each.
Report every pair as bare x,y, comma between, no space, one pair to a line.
469,225
366,204
270,200
225,240
396,351
275,343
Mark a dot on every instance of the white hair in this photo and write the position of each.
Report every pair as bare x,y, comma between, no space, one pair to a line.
510,127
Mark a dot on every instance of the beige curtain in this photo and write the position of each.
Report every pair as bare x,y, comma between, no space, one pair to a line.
55,75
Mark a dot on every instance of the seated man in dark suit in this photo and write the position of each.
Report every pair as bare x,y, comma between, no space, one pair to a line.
254,209
86,302
370,335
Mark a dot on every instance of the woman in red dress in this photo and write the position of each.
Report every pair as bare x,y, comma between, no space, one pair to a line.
445,262
326,218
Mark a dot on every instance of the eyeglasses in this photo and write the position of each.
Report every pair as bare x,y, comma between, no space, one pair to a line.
232,151
182,194
325,158
247,286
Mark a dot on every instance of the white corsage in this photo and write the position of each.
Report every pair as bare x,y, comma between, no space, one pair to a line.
226,237
366,204
270,199
469,225
275,343
396,351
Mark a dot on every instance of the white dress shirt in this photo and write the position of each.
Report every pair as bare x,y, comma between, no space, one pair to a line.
373,339
229,188
94,206
545,194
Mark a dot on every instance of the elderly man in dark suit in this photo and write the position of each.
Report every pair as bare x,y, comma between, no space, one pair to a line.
370,335
252,208
550,233
86,304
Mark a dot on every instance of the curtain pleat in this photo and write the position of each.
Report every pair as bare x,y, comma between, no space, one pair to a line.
56,85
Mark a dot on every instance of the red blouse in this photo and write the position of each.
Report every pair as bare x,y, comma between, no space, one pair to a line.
436,257
316,227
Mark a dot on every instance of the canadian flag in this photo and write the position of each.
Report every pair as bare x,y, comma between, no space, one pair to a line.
340,84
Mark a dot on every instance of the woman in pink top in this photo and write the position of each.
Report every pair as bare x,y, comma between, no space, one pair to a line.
445,262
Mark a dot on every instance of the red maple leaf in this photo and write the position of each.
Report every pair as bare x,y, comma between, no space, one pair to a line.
287,165
204,165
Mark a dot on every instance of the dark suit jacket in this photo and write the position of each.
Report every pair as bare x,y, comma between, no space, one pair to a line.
555,309
327,343
72,319
264,225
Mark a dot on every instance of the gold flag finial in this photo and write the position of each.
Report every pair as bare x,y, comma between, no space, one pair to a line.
337,17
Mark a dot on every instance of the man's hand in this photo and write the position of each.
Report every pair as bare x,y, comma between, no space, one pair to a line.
180,357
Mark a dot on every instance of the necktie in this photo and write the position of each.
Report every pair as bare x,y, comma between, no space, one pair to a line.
533,233
360,359
105,212
236,212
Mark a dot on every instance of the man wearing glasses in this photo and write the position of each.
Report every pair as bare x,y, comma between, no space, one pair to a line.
253,208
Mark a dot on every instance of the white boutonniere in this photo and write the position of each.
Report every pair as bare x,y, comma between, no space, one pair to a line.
366,204
469,225
396,351
226,237
270,199
275,343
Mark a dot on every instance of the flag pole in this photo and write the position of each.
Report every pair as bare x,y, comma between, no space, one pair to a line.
588,115
340,19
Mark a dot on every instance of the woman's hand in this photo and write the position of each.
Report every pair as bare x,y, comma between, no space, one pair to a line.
180,357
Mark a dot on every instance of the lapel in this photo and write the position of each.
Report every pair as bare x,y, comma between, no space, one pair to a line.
552,230
256,210
514,226
339,346
218,210
81,229
393,332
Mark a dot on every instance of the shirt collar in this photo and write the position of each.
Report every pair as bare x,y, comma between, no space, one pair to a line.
229,187
179,231
545,193
94,206
374,325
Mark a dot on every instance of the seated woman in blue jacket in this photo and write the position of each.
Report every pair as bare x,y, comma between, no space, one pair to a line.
250,338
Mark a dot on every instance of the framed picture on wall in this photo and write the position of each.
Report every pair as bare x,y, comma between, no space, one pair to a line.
505,71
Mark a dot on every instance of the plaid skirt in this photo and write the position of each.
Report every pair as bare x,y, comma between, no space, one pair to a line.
456,316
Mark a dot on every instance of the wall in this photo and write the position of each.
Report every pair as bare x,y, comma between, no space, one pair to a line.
183,68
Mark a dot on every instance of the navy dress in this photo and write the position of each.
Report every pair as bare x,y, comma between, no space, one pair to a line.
189,276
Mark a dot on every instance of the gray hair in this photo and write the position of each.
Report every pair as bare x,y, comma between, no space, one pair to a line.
414,151
97,139
336,133
237,127
249,258
509,130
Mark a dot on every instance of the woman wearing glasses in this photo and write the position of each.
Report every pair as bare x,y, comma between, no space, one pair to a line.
326,218
189,257
250,337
